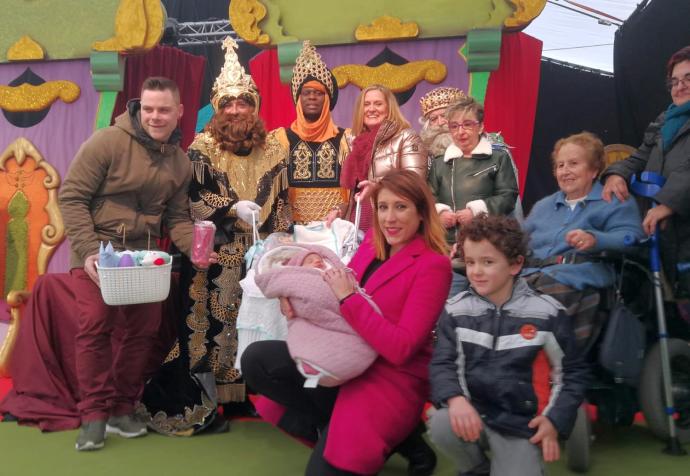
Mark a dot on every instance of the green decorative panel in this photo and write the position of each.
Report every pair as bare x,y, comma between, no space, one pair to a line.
478,84
287,55
106,105
17,239
269,23
483,50
107,71
65,29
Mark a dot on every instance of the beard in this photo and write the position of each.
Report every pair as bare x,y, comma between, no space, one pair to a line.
237,134
436,139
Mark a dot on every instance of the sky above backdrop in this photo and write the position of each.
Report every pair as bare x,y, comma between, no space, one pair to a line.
579,39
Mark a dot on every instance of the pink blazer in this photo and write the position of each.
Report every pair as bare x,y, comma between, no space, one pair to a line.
377,410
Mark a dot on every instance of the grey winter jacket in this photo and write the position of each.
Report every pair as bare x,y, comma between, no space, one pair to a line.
487,354
674,164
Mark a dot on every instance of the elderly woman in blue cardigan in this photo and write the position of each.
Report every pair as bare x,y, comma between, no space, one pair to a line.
567,227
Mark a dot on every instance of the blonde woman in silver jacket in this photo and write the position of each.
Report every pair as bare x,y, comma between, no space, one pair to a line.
383,141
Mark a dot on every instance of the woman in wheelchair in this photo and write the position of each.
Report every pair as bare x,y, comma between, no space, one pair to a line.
571,227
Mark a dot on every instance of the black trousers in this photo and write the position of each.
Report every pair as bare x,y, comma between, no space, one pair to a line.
269,370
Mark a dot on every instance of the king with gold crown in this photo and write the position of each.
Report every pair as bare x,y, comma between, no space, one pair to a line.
239,176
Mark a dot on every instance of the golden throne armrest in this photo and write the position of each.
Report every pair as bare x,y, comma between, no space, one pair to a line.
615,152
16,300
30,200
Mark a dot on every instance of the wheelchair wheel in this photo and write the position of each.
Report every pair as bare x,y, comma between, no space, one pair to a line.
577,447
651,389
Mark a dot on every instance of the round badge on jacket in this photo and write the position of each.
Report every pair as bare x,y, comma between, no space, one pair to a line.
528,331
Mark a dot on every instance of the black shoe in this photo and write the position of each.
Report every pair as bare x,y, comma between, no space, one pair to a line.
217,425
299,425
421,459
243,409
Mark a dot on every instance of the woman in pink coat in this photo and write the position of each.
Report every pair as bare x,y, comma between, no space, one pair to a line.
402,264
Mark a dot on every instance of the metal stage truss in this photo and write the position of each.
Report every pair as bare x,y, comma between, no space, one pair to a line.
201,32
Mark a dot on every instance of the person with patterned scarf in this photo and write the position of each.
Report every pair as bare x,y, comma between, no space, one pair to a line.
314,147
384,141
239,176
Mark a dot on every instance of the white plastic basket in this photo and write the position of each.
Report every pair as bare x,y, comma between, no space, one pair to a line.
135,284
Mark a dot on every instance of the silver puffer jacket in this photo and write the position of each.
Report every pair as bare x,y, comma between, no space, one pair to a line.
403,150
392,151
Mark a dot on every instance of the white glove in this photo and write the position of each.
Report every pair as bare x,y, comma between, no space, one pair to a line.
247,211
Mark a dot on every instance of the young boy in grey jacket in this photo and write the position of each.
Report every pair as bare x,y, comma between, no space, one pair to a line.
482,370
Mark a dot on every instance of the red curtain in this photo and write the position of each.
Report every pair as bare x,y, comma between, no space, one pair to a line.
511,96
277,108
185,69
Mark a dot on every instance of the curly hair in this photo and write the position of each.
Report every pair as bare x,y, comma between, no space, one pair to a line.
502,232
235,136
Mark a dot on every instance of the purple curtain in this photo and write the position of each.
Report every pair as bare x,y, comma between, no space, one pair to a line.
444,50
59,135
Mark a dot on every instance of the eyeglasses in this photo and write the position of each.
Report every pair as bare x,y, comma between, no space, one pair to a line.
674,82
464,125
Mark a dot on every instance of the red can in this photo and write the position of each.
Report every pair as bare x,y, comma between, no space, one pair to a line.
202,243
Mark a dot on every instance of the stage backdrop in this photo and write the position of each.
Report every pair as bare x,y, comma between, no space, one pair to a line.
58,135
278,109
510,101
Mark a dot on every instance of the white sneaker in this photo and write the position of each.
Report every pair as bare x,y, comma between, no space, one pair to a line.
125,426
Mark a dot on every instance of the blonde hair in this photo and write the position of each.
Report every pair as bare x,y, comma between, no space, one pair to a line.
409,185
394,114
593,146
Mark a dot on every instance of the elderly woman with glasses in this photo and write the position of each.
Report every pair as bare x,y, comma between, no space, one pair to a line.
665,150
472,176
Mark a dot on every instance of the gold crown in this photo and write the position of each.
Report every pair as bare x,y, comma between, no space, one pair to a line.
232,80
310,65
440,97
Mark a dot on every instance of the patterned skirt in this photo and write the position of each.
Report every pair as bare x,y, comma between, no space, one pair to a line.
581,305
